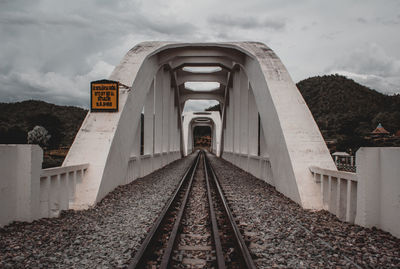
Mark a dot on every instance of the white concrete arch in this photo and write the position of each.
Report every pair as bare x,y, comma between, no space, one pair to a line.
185,76
289,138
209,118
187,94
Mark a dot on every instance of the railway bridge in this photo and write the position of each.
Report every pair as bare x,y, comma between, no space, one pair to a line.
266,127
263,127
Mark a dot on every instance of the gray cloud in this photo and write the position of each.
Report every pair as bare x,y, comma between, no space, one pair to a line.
371,66
29,19
52,54
51,50
246,22
51,87
199,105
395,20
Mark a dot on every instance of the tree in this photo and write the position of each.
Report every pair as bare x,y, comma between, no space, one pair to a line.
52,124
13,135
39,135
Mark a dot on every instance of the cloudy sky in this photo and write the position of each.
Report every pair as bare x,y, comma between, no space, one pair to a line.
51,49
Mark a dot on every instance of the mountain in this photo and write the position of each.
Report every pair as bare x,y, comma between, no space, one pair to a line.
214,108
61,122
346,111
17,119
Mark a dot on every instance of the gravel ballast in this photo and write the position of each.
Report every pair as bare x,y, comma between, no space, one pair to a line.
282,234
104,236
279,232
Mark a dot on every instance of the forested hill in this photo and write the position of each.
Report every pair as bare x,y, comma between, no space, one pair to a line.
344,110
17,119
347,111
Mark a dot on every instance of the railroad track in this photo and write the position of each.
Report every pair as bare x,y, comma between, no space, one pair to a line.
196,228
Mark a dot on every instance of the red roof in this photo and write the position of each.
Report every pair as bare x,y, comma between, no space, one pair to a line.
380,130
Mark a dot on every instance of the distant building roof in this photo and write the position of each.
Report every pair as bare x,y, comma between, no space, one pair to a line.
380,130
342,154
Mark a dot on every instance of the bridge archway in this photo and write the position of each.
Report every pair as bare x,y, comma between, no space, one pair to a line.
208,118
267,129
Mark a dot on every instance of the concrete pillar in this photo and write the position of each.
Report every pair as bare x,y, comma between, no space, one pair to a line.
158,127
20,168
190,139
166,109
244,107
177,130
263,145
378,189
236,112
171,120
136,144
149,122
253,125
229,123
173,125
225,137
181,131
214,139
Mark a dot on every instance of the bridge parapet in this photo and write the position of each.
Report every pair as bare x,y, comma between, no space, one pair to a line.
28,192
258,166
57,188
339,192
371,196
140,166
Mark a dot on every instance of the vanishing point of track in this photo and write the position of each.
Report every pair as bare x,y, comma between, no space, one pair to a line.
196,228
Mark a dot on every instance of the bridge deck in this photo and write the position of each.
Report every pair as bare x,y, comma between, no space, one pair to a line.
278,231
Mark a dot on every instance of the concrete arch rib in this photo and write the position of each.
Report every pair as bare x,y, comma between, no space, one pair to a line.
105,140
292,138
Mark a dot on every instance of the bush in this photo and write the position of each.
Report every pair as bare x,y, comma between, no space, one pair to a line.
39,135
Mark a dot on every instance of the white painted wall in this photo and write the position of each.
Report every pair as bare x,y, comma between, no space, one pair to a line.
378,197
20,167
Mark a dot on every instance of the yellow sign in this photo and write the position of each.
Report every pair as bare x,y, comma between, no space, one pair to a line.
104,96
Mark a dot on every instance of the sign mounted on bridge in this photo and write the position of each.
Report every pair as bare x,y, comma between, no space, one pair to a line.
104,96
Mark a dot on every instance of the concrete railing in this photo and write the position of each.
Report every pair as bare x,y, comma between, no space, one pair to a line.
339,192
57,188
145,164
258,166
28,192
369,197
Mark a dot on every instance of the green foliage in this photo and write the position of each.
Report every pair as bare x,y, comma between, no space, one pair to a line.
347,111
214,108
12,135
62,122
51,123
39,135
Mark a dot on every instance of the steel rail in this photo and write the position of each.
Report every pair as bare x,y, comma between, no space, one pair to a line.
214,226
139,257
241,245
166,258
